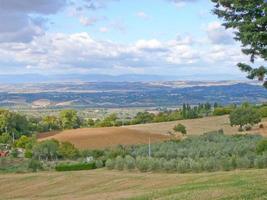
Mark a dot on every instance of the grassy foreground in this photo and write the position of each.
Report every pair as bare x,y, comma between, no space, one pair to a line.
103,184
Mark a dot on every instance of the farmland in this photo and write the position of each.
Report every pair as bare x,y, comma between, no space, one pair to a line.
138,134
92,138
103,184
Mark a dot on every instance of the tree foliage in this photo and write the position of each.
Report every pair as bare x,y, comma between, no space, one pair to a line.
69,119
248,19
242,116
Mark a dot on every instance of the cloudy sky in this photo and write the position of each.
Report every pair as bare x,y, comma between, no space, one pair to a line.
161,37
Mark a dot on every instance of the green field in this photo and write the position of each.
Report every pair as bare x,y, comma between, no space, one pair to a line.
103,184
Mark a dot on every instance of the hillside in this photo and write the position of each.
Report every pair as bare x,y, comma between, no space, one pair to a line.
113,185
139,134
93,138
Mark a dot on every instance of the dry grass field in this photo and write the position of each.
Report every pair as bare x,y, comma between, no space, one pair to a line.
112,185
92,138
197,126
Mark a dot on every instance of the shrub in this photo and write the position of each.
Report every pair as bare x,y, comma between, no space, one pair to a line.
261,146
68,150
210,165
183,166
155,164
195,166
119,163
35,165
222,111
180,128
99,164
110,164
14,153
170,165
243,163
142,164
75,167
129,162
28,153
261,126
261,161
226,164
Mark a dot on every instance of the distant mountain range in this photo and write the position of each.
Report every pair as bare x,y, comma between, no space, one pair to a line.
38,78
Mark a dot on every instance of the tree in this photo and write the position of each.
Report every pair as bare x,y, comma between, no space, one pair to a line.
109,120
248,19
68,150
23,141
46,150
143,117
244,116
50,123
5,138
69,119
180,128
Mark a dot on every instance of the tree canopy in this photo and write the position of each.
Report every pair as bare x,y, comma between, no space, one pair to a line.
248,19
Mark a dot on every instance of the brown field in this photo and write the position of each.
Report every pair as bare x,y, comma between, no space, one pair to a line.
198,126
112,185
92,138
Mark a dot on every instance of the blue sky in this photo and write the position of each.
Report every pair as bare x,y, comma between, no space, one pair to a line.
114,37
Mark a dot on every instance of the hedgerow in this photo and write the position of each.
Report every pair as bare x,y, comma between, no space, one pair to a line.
75,167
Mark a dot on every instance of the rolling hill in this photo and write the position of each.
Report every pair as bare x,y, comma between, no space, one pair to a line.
93,138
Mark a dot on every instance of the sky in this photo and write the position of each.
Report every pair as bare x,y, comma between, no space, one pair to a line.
115,37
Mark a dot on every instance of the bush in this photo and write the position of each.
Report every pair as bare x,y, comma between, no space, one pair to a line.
180,128
226,164
261,146
155,164
222,111
119,163
195,166
68,150
209,152
243,163
210,165
182,166
75,167
35,165
99,164
14,153
143,164
110,164
170,165
28,153
261,161
129,162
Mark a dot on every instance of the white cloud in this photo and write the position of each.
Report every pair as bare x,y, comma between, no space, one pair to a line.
218,35
61,53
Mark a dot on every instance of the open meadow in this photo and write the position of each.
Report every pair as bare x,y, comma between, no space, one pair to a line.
111,185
